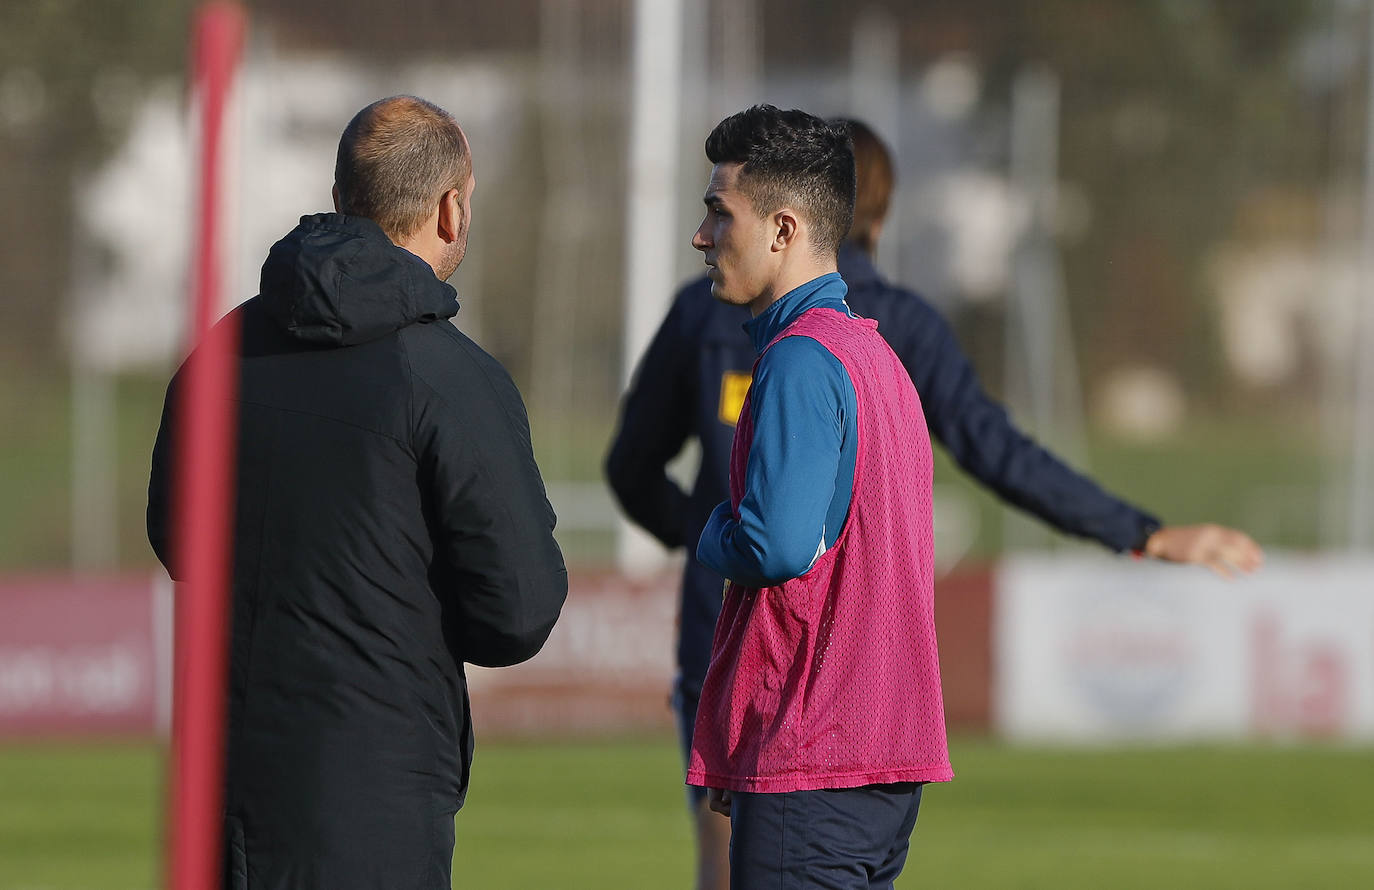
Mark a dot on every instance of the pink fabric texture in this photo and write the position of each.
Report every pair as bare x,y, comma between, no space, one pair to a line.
832,680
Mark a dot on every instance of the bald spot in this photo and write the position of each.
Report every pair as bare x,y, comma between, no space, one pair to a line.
397,158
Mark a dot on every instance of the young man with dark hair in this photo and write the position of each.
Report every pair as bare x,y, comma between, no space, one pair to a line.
821,714
691,384
391,525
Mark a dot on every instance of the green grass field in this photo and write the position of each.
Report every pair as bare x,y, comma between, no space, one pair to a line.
610,815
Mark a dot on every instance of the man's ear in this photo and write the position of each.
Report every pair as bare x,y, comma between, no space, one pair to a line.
335,193
450,216
786,229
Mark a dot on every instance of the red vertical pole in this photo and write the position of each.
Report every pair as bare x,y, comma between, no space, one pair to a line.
203,504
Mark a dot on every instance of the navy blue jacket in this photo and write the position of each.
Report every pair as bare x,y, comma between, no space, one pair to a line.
691,382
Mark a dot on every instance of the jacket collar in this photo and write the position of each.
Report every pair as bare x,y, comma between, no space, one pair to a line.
339,280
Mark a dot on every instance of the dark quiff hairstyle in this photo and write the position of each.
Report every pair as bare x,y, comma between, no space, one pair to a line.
397,158
875,179
791,159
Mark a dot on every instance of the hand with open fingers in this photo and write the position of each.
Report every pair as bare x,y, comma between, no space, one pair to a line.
718,799
1225,551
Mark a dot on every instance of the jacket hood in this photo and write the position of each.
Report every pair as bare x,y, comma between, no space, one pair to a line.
339,280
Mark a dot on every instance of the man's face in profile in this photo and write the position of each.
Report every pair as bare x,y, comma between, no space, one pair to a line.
735,240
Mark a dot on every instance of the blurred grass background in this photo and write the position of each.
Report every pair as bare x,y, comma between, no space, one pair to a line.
1208,472
606,813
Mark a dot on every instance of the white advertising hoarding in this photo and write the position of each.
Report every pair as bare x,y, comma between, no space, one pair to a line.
1110,649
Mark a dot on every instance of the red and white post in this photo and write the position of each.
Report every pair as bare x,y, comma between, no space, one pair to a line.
203,500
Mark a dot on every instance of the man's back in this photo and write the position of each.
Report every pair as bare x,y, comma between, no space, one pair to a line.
385,487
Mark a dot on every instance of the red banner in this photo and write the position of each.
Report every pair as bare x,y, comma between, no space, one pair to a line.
92,657
609,664
80,657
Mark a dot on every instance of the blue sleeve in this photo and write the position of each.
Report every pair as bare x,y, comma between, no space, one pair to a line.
804,411
655,422
982,439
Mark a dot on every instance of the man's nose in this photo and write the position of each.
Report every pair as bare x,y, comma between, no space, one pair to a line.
699,239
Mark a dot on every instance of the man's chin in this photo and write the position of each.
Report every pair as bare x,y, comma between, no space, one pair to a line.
721,293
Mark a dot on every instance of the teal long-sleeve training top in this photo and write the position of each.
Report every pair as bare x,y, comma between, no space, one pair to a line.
800,474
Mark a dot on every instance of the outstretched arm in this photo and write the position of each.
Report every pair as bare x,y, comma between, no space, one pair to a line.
1225,551
982,439
977,432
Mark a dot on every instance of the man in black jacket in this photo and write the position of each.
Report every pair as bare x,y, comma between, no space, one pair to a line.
691,383
391,524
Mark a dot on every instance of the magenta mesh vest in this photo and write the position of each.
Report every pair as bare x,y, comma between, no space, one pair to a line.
832,680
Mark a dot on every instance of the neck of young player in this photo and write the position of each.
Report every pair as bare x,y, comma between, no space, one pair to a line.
798,266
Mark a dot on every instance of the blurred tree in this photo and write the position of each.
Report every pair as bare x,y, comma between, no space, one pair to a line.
69,74
1178,117
426,27
1173,113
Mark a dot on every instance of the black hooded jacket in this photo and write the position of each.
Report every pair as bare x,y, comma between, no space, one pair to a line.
391,524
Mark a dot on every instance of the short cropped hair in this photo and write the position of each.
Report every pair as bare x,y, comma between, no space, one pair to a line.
791,158
875,178
396,158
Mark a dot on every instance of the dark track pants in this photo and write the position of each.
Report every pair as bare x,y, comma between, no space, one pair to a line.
844,839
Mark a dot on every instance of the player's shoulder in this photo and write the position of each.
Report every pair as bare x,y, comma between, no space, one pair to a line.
695,312
449,362
693,301
879,299
696,292
800,358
